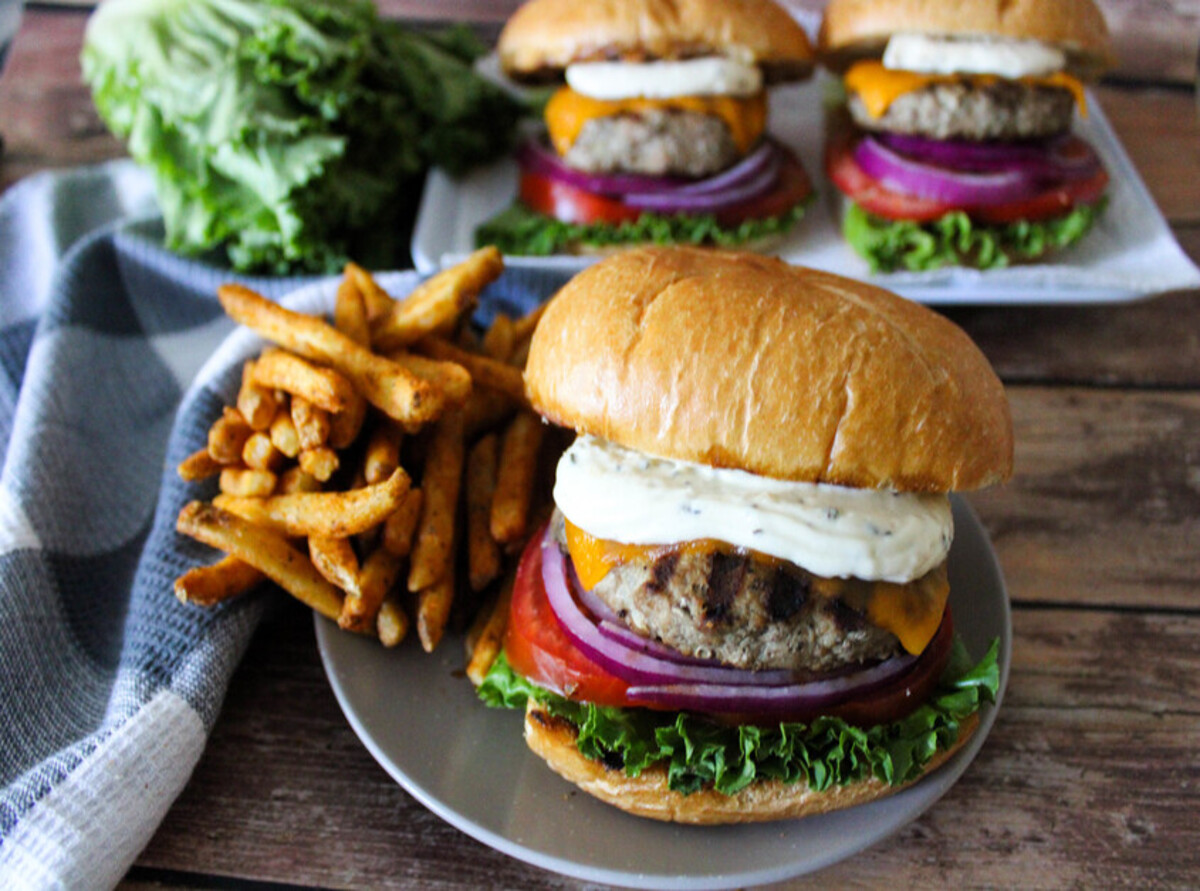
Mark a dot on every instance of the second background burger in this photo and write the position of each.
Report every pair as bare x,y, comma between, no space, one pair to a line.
659,135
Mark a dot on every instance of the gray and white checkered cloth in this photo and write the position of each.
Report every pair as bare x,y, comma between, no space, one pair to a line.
108,685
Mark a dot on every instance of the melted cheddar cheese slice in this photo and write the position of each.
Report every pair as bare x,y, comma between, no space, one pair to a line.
567,112
912,612
879,87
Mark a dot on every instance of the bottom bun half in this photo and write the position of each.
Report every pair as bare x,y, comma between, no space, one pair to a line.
647,795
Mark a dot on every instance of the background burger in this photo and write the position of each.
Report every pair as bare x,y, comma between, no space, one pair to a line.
738,611
960,150
659,135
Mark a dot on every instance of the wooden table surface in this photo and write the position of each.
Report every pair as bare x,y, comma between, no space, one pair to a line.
1091,775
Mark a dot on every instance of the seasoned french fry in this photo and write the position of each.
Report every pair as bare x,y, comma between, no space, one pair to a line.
350,312
256,402
524,326
322,387
498,339
520,353
325,514
311,423
392,622
248,482
378,301
515,476
335,559
390,387
433,609
398,529
283,434
378,577
483,553
487,643
296,479
266,550
345,425
227,435
450,377
260,453
199,465
485,410
210,585
382,454
484,371
436,305
433,550
321,462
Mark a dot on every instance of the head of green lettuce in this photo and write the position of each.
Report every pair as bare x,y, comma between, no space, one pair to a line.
289,133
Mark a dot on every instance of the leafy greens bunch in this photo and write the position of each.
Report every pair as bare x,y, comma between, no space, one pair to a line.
288,132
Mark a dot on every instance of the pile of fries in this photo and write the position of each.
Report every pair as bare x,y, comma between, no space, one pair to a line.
342,464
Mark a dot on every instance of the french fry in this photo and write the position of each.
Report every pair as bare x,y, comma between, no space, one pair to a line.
485,410
523,327
335,559
210,585
498,339
227,435
389,387
382,454
296,479
247,482
283,434
260,453
378,577
484,371
350,312
378,302
256,402
266,550
322,387
483,554
324,514
433,550
486,646
450,377
433,609
398,529
321,462
515,477
436,305
311,423
345,425
199,465
392,622
520,353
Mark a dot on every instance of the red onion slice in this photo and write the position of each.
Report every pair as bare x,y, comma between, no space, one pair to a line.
901,174
744,170
629,664
1062,158
701,202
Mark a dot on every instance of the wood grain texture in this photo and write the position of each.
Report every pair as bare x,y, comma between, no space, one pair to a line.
1104,504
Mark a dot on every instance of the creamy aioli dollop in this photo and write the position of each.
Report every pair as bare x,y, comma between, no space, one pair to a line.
705,76
953,55
621,495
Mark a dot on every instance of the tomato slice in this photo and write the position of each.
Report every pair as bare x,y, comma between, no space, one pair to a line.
538,649
866,191
571,204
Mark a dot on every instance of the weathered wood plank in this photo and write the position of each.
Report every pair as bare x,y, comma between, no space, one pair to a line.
1104,505
1089,778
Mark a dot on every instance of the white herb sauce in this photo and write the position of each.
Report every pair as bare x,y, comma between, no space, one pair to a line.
952,55
705,76
621,495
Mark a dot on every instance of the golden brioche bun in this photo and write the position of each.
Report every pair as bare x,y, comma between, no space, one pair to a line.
647,795
854,29
544,36
742,361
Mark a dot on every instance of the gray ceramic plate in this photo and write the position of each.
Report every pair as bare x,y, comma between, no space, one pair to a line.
418,716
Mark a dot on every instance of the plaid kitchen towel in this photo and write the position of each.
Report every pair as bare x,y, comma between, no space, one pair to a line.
108,685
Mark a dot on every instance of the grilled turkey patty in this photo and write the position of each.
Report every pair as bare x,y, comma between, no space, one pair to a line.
1004,109
656,143
745,612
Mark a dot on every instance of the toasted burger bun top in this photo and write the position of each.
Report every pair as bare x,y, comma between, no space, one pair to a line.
544,36
854,29
738,360
648,795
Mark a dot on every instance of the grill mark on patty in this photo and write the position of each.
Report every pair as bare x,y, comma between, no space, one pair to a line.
661,571
724,581
788,594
